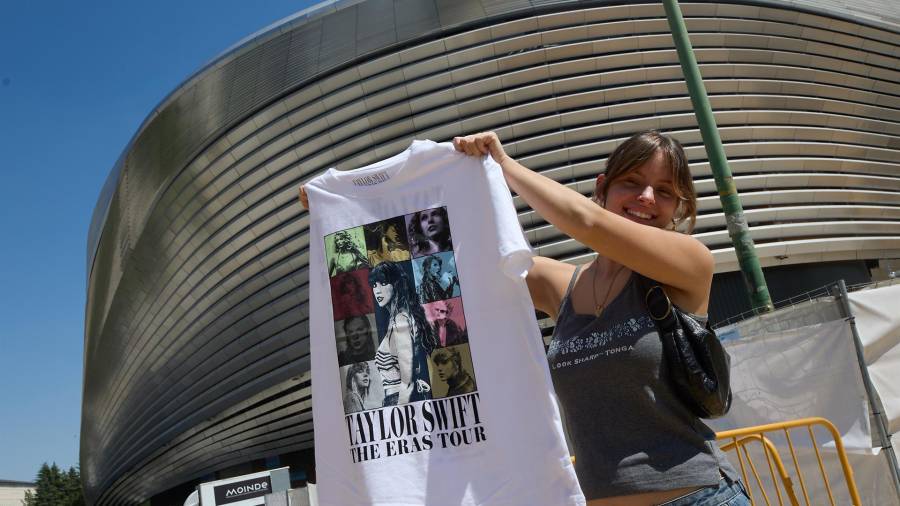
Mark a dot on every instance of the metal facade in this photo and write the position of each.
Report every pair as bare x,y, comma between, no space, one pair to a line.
196,338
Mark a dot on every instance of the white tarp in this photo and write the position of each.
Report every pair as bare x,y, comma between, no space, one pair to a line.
877,313
799,373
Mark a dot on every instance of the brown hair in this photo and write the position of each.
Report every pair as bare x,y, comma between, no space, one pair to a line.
636,151
444,355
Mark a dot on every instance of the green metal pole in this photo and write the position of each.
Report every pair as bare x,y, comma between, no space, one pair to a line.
731,203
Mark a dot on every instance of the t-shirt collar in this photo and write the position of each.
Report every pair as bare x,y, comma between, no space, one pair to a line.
377,178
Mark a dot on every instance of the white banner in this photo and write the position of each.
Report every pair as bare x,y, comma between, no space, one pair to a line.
799,373
877,313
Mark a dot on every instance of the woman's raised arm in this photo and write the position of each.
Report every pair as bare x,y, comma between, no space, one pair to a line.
674,259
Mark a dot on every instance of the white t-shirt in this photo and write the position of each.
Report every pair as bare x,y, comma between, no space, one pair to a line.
430,383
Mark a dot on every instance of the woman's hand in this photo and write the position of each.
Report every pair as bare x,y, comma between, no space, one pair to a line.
480,145
304,198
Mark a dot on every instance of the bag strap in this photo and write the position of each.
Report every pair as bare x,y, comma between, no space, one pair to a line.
658,304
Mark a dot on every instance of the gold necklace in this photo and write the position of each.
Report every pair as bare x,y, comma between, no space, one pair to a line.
598,308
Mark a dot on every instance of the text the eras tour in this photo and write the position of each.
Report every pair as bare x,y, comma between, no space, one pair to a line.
431,424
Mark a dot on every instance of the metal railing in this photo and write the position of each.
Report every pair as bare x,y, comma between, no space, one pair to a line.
812,295
809,296
738,440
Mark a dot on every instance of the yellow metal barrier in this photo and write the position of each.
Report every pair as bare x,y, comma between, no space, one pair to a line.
738,440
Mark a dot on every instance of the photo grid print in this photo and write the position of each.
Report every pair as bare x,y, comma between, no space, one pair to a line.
399,323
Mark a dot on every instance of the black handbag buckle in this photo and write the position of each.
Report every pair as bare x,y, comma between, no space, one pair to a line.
658,304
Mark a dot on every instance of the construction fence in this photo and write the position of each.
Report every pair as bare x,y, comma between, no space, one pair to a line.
835,355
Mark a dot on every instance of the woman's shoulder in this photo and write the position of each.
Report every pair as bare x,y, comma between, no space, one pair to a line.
402,319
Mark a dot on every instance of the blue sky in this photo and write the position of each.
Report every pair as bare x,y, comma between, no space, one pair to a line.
77,78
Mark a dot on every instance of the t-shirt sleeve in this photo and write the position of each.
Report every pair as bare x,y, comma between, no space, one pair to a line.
516,255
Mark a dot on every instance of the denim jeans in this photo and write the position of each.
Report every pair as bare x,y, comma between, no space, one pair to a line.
726,494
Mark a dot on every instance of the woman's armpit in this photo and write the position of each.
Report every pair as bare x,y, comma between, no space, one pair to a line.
547,281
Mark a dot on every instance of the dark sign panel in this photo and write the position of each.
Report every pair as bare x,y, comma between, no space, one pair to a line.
242,490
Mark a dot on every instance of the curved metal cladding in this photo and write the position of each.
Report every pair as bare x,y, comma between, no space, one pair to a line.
196,339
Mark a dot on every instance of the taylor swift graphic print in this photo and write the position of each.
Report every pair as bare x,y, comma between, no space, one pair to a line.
397,302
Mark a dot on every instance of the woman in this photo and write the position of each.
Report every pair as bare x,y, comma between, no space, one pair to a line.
434,286
449,369
385,243
347,256
350,298
634,442
359,346
446,331
357,388
402,355
429,232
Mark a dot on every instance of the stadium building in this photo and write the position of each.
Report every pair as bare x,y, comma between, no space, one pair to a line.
196,338
12,493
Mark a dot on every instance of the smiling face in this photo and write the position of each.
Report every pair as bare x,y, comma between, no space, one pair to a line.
646,194
648,181
432,223
383,293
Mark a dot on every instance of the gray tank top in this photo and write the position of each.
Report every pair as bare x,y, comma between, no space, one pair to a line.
628,431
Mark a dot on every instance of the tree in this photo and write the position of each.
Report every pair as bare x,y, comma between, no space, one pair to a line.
56,488
74,496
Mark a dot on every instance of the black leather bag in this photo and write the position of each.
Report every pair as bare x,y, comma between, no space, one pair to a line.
699,367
